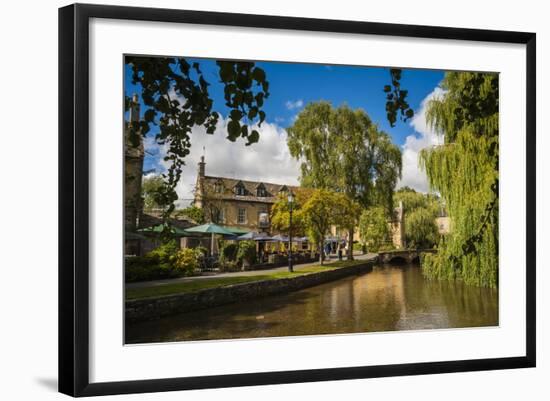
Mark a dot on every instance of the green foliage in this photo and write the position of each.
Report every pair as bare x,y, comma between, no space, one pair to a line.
165,254
193,213
247,252
176,97
342,150
374,228
323,209
280,212
396,99
144,268
186,261
150,189
318,214
202,251
420,228
228,252
412,200
228,256
165,261
465,172
346,211
420,211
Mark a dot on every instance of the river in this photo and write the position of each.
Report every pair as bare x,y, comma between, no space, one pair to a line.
386,299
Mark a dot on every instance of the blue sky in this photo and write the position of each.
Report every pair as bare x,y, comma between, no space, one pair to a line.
294,85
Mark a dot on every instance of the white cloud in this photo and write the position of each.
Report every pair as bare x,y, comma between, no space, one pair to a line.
413,176
268,160
291,105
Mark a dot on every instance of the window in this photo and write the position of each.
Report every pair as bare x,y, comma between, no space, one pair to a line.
218,216
241,216
218,187
261,191
240,189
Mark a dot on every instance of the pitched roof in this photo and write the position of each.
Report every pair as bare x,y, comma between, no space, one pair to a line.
251,195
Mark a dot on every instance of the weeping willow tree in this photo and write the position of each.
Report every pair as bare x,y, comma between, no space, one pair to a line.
342,150
464,170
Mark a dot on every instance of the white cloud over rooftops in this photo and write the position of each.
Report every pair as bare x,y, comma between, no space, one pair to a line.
268,160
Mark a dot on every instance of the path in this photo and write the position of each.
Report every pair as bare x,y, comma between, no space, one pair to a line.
143,284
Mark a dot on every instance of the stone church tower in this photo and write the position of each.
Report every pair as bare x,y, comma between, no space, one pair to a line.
133,169
397,227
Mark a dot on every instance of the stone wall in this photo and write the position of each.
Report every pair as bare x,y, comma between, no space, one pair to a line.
155,308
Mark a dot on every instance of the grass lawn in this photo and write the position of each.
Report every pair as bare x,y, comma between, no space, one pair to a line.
202,284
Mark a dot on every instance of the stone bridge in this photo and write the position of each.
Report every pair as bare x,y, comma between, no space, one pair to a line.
403,256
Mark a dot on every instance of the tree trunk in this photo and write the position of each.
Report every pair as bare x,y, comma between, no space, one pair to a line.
321,252
350,243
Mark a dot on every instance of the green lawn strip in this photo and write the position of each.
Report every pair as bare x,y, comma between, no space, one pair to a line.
202,284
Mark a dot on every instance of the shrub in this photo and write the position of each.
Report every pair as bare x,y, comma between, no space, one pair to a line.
143,268
228,252
202,251
229,266
246,255
186,261
165,261
165,254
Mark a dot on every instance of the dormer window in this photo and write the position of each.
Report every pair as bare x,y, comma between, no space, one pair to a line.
240,190
284,190
261,192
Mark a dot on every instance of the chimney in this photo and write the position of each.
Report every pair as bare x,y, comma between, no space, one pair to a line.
134,108
202,166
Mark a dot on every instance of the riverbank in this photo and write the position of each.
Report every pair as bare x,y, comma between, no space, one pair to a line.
154,302
386,298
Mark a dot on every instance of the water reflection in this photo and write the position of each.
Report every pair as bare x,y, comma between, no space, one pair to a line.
388,298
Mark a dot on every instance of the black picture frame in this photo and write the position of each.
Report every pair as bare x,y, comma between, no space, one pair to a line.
74,198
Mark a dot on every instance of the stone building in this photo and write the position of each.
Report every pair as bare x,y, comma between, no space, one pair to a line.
397,227
237,203
247,204
133,168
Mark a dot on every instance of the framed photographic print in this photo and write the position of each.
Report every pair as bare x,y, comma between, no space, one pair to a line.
250,199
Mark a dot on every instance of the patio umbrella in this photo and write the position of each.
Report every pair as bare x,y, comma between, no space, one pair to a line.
212,229
279,238
237,230
255,237
175,231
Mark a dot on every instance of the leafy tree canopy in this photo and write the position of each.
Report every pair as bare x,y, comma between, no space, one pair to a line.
421,211
396,99
149,191
280,212
374,228
342,150
465,172
192,213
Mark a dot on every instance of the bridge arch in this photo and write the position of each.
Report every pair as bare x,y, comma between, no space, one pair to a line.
397,259
403,256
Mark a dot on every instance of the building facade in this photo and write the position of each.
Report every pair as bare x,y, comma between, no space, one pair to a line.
247,205
133,168
237,203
